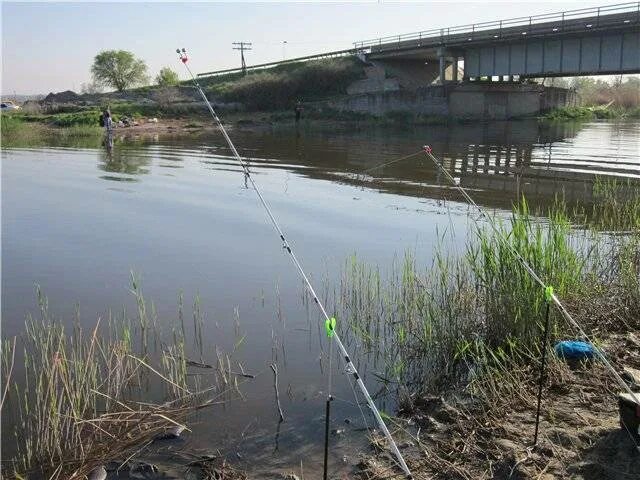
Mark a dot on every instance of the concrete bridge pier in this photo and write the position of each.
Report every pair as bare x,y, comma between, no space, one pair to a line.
446,57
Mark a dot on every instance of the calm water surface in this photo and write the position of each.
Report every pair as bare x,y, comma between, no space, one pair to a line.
178,213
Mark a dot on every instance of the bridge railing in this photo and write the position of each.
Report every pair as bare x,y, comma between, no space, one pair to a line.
560,21
260,66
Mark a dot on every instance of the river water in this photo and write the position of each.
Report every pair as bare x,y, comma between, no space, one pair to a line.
77,220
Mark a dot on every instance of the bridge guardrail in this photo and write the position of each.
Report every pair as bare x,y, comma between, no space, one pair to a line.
563,21
259,66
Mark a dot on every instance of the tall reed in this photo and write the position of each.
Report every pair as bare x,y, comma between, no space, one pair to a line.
79,399
482,312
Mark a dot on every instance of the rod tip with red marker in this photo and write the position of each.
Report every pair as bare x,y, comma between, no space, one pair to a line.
183,55
427,149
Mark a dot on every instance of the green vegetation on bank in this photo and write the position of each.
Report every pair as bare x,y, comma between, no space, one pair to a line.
595,112
599,99
281,87
83,398
22,130
480,313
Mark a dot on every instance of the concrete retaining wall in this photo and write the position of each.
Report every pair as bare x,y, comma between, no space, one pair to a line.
422,101
495,101
489,101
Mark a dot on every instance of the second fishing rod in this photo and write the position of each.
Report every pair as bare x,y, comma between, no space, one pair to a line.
330,322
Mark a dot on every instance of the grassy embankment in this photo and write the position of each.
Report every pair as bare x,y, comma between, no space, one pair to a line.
76,124
265,97
471,326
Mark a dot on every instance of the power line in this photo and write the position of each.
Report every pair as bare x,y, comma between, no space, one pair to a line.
242,46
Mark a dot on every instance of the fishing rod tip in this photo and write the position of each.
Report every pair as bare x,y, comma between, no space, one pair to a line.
427,148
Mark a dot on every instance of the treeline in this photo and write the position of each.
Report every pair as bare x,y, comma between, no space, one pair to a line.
621,93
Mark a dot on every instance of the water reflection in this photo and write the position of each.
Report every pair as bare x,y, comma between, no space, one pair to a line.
123,159
501,161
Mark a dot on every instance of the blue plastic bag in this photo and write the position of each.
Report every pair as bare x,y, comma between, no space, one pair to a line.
574,350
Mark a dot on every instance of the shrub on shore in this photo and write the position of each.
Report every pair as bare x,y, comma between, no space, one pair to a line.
587,113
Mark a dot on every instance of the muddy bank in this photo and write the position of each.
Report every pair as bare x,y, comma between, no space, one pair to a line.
457,436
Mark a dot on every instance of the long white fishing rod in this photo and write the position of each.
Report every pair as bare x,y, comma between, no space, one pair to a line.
329,322
427,149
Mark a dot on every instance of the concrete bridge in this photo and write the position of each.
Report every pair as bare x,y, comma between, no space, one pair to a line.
590,41
587,41
452,71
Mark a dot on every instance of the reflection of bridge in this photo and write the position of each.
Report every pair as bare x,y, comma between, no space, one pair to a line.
497,161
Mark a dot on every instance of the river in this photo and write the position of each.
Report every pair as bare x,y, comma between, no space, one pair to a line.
178,213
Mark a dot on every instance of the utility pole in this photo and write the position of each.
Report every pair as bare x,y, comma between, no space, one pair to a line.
242,46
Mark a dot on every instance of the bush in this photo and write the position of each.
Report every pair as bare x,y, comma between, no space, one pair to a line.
167,77
88,117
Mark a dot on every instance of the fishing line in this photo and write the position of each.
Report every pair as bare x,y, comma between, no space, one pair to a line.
600,353
384,164
330,322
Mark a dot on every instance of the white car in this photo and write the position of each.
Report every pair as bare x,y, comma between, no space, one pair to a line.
9,106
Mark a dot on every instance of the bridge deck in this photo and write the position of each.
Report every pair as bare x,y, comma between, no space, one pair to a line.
622,16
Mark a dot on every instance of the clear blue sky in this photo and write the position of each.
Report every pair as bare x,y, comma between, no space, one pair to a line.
50,46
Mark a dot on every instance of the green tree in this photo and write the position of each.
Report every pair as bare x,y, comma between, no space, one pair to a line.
118,69
167,77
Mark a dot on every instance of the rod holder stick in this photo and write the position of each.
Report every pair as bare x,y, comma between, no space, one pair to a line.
327,418
543,364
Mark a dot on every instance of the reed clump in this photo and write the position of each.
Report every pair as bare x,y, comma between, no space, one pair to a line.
481,313
79,399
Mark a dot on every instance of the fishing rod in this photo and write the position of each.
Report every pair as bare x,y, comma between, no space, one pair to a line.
330,322
549,294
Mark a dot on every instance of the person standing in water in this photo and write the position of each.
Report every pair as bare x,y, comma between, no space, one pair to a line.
107,122
299,108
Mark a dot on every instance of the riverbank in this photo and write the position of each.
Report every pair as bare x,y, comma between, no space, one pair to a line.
455,435
81,124
465,362
599,112
31,130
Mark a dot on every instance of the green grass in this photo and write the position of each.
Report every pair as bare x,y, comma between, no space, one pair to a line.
480,312
587,113
32,130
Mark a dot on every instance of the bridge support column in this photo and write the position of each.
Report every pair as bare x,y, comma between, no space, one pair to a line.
445,54
443,66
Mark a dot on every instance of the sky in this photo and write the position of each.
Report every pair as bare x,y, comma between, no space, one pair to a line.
50,46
